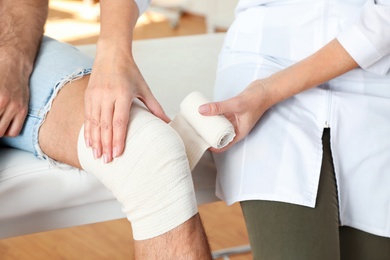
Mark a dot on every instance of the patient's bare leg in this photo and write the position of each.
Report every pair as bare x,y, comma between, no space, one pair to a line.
58,138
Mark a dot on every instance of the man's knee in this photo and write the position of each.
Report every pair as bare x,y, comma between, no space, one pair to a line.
151,179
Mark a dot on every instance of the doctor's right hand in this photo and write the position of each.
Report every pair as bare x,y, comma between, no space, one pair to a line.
243,110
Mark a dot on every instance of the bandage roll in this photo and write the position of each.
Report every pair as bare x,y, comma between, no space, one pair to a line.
200,132
217,131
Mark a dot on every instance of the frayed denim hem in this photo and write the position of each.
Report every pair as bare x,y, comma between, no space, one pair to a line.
45,110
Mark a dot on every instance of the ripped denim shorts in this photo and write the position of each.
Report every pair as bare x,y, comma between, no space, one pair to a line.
56,64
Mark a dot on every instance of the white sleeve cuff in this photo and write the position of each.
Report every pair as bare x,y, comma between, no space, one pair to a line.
368,40
359,47
142,5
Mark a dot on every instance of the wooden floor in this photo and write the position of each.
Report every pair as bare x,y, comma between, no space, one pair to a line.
112,240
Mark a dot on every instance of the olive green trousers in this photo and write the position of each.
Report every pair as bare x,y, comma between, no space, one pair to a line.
283,231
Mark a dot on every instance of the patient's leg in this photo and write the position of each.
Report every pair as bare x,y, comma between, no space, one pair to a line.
58,138
59,133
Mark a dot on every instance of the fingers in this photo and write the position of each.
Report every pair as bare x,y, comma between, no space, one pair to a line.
219,108
229,109
5,121
12,120
215,150
108,99
154,106
107,112
105,128
238,111
94,131
211,109
92,134
87,122
106,132
106,123
16,125
120,125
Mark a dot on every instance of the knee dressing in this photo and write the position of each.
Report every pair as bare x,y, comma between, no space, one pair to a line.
151,179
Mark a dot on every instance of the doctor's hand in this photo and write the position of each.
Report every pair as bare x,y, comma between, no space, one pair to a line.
243,110
115,82
14,92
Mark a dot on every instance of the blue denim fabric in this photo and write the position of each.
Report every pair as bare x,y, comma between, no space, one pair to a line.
56,64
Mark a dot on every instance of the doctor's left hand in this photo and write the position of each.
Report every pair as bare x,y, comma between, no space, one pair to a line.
115,82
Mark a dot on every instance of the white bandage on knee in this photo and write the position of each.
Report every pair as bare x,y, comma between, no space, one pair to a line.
151,179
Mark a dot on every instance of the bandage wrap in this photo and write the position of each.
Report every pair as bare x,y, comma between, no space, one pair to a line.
151,179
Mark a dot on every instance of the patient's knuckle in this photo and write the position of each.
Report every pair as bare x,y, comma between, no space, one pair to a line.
3,101
23,110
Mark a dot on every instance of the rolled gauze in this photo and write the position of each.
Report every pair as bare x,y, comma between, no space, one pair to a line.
200,132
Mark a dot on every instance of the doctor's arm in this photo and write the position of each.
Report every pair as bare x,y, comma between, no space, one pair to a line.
115,81
21,30
245,109
365,44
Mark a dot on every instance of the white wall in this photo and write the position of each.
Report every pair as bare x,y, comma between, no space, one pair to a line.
218,13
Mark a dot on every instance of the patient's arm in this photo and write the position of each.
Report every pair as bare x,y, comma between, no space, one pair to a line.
21,29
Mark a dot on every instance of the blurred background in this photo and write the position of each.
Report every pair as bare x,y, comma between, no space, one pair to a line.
77,22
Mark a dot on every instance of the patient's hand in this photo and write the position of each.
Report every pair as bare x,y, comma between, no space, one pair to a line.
115,82
14,92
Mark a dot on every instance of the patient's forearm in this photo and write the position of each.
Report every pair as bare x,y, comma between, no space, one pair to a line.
21,28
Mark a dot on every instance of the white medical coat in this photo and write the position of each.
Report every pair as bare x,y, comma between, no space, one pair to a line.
142,5
280,160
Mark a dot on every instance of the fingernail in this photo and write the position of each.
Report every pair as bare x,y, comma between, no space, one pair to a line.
95,154
105,158
203,109
88,143
115,152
